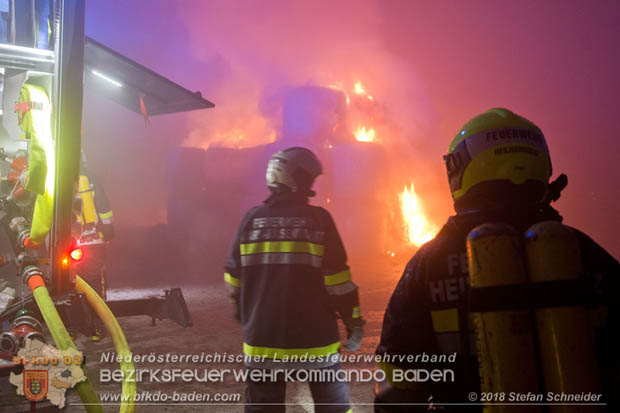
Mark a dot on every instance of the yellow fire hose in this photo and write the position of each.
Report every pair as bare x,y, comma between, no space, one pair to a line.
120,343
60,335
37,124
63,339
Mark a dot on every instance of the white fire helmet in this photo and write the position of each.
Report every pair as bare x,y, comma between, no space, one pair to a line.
295,168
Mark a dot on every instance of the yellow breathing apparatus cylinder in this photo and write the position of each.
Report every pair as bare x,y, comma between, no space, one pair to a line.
504,339
565,336
89,214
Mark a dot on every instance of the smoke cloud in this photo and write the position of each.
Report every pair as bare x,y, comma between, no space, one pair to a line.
430,66
266,48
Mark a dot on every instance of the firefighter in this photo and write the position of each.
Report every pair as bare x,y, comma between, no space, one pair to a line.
289,282
94,227
498,167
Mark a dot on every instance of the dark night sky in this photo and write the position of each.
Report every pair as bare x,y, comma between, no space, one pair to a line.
434,64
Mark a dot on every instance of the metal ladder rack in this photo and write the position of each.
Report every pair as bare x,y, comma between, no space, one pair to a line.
26,58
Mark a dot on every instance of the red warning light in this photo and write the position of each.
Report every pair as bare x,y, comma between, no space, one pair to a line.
76,254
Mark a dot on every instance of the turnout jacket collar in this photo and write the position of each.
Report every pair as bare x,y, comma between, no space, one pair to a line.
519,217
286,198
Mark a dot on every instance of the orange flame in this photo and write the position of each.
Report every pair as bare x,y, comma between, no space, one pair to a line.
338,86
360,90
363,134
418,229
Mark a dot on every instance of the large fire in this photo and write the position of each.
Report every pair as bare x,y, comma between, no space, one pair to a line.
360,90
366,122
418,229
363,134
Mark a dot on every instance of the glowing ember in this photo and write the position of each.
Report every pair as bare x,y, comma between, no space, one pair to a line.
338,86
418,229
359,90
362,134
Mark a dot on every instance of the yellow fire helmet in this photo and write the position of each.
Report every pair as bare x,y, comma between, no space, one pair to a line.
500,155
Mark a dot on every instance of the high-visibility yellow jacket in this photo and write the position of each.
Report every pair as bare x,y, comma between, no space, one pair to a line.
35,120
96,215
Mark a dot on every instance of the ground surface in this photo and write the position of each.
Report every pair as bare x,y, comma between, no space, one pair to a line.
214,331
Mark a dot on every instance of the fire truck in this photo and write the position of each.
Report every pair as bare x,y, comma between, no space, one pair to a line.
46,62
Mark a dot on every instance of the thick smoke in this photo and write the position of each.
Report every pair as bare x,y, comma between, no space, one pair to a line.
434,65
265,48
262,50
431,65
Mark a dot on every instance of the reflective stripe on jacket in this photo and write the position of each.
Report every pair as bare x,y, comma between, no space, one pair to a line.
288,270
422,316
95,206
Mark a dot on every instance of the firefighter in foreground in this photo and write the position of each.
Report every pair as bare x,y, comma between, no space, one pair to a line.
289,282
498,168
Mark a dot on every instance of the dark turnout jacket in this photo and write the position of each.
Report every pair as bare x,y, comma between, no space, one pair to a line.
288,273
422,314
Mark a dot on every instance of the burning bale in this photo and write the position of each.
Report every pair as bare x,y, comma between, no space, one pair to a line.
361,185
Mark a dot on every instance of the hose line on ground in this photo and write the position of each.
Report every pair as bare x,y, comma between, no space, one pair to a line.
120,343
34,278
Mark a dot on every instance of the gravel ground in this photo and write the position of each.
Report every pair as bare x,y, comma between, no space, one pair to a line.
214,331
